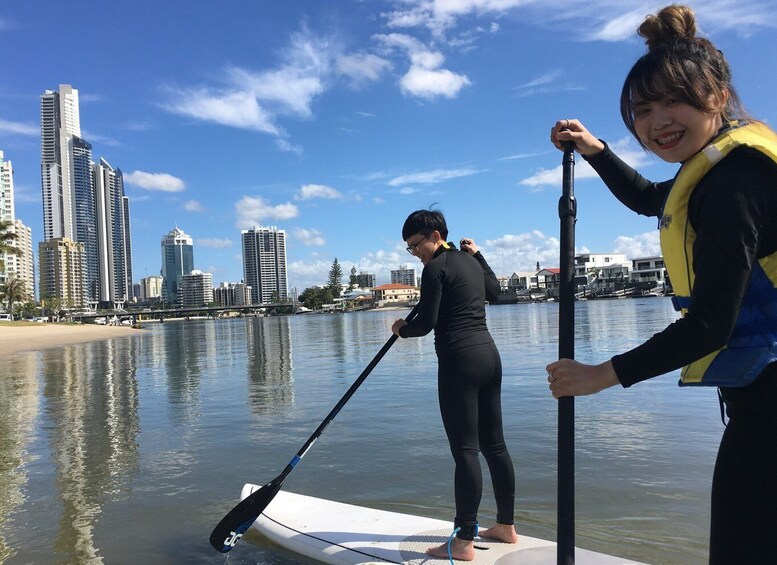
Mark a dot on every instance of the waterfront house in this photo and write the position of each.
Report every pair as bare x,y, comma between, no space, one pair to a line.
395,293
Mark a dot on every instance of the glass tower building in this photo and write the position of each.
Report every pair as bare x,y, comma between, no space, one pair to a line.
177,260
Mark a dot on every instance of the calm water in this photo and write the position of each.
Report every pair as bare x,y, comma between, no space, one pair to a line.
131,450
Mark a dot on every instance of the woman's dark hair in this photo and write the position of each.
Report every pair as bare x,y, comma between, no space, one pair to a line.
424,222
681,66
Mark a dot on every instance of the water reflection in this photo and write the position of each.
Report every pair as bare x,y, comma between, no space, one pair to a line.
270,380
187,347
92,411
19,407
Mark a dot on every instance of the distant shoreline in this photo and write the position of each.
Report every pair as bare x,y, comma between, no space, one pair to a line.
36,336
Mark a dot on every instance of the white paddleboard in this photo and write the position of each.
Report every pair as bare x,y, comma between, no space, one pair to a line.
344,534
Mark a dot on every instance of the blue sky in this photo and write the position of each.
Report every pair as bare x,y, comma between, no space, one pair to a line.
334,119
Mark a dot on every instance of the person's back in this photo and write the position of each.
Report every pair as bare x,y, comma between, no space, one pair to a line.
462,314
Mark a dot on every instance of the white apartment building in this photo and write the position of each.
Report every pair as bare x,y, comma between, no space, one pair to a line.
232,294
21,266
598,267
196,289
404,275
60,122
264,263
648,269
151,288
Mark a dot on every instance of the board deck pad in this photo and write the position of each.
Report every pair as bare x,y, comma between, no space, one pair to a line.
345,534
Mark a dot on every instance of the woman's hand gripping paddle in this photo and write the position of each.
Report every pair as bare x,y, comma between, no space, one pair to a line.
232,527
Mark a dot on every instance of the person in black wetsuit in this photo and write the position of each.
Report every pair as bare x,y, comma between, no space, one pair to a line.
718,226
454,288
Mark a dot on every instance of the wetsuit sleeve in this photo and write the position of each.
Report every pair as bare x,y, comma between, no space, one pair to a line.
493,290
627,185
734,212
429,304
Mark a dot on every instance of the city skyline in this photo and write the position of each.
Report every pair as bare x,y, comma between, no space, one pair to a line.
335,120
82,201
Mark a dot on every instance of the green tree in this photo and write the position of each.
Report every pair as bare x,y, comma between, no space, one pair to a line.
335,278
14,290
353,276
311,298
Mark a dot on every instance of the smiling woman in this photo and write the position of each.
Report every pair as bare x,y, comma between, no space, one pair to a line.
718,229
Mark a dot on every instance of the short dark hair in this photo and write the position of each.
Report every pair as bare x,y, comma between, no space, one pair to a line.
424,222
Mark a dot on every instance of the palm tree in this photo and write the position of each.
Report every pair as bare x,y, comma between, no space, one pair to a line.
14,290
7,239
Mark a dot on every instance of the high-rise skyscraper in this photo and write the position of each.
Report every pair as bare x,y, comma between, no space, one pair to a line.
60,122
112,234
264,263
84,220
177,260
84,202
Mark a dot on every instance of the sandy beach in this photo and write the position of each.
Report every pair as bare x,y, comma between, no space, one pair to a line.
15,339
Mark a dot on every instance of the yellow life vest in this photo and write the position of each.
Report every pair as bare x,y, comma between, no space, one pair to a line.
753,344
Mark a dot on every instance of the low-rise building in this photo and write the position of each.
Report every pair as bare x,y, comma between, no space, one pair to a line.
232,294
386,294
196,289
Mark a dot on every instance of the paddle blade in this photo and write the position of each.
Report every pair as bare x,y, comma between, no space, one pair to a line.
232,526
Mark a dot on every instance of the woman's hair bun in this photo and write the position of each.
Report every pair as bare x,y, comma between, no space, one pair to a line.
670,24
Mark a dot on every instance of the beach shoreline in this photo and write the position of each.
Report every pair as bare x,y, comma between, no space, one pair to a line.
19,339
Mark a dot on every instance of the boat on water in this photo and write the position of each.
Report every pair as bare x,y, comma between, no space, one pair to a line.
345,534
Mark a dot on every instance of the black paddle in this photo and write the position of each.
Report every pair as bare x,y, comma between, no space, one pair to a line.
567,212
232,526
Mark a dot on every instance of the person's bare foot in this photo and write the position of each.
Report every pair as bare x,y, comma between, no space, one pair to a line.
461,550
501,532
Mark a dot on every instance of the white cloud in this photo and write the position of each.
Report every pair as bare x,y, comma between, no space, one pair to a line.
309,191
431,177
362,67
228,108
309,237
378,200
215,243
407,190
424,79
625,148
431,83
161,182
253,210
544,79
521,252
193,206
7,126
641,245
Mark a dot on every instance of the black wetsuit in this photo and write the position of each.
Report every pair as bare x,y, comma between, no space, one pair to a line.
454,288
733,210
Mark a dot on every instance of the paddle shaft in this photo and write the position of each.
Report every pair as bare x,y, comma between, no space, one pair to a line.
567,211
346,397
231,528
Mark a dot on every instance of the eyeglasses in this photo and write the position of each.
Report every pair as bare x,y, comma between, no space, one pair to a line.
413,247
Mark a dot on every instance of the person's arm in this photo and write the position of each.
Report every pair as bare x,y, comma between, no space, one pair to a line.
429,303
493,290
733,211
627,185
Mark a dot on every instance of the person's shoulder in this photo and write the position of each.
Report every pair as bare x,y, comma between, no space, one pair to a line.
746,161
